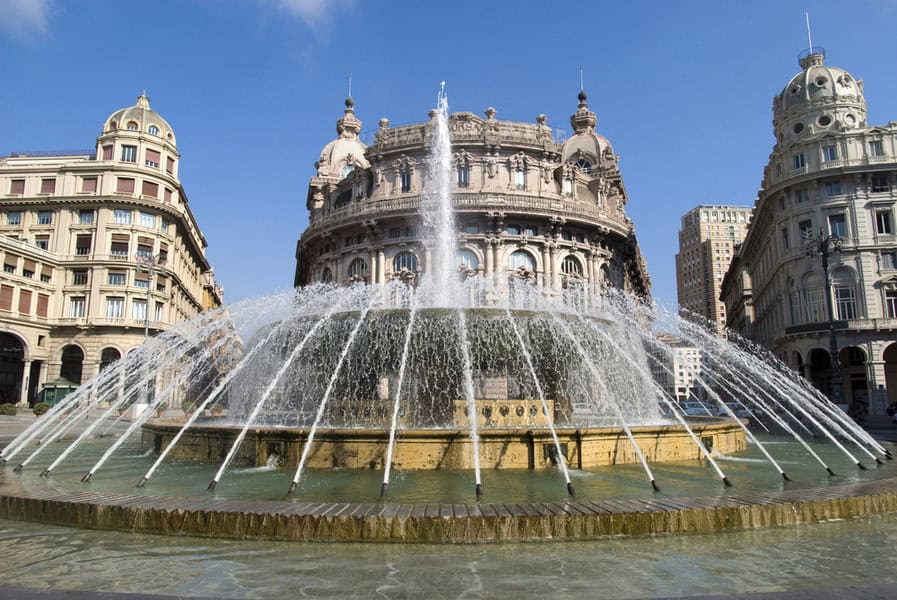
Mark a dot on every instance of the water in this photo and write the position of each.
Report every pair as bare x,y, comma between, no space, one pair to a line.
794,558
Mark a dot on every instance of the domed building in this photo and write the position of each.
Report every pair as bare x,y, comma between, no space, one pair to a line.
100,248
526,204
816,276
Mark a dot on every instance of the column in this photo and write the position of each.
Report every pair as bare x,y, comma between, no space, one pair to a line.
487,253
374,274
496,258
546,266
875,380
381,266
26,373
555,275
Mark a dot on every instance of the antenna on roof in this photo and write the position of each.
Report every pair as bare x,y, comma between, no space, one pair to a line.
581,84
809,35
350,85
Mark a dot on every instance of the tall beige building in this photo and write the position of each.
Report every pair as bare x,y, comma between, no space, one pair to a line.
98,247
707,243
829,191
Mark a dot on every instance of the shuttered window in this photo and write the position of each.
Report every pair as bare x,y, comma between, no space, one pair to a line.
43,301
6,297
17,186
24,302
125,185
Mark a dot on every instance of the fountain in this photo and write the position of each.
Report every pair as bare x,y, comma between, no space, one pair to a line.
458,374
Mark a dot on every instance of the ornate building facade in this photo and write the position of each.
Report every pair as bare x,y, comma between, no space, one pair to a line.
707,243
526,204
99,248
828,193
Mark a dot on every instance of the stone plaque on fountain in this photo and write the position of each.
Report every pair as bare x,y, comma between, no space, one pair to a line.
494,388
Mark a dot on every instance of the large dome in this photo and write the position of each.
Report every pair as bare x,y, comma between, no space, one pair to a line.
342,155
141,118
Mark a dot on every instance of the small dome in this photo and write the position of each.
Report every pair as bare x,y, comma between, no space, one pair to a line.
342,155
818,84
141,118
586,143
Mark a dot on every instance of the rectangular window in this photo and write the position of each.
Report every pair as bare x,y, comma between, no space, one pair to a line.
806,230
880,183
169,166
147,220
17,187
889,261
471,228
115,307
77,306
168,195
46,274
409,231
124,185
520,179
42,242
89,184
814,305
79,277
118,248
785,241
891,303
13,217
153,158
837,225
48,186
158,315
568,187
83,243
141,283
43,303
801,195
121,216
164,225
144,251
117,278
359,190
829,153
6,297
406,181
832,188
150,189
531,231
85,217
27,273
463,176
799,161
138,310
24,302
876,148
129,153
846,302
107,152
395,232
8,268
883,222
512,230
161,282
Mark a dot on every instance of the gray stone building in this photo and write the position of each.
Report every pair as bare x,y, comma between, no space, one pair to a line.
828,191
526,204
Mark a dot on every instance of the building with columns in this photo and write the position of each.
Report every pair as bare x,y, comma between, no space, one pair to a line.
707,243
526,204
99,247
815,279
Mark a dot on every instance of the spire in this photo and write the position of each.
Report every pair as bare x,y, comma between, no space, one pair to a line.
583,119
348,126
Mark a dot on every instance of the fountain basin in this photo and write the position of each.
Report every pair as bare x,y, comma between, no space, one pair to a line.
425,449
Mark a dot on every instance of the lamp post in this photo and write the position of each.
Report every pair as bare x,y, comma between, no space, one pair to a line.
149,264
824,246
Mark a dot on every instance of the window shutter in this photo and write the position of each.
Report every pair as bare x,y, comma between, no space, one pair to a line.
17,186
43,301
125,186
24,302
150,189
47,186
6,297
107,152
89,184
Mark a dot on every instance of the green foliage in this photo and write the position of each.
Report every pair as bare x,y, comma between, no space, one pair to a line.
40,408
217,409
188,406
8,410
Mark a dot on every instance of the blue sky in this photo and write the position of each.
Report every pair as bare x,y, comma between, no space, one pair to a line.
253,89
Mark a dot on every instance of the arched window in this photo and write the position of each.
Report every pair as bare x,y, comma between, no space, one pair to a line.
845,295
521,258
468,259
404,260
132,126
327,276
346,170
463,176
358,268
520,179
108,356
584,166
571,266
406,181
72,361
814,303
153,130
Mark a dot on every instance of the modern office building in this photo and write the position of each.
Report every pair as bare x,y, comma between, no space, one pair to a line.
677,367
816,276
99,247
707,241
527,204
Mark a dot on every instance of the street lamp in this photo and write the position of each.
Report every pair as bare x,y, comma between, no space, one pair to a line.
149,264
824,246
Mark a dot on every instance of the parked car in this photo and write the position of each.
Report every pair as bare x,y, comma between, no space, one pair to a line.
694,409
739,410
